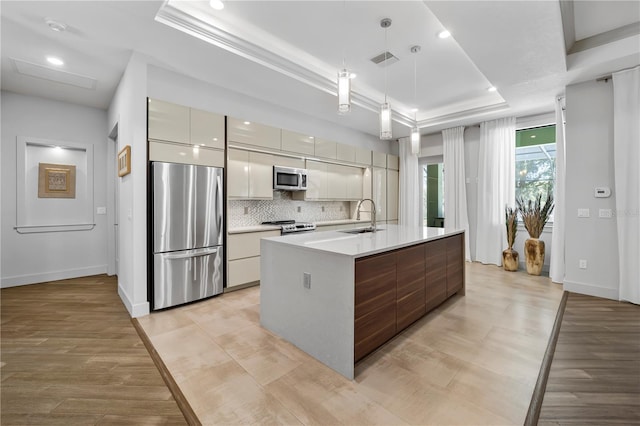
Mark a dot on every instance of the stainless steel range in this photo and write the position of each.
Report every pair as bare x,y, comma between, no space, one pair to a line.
291,226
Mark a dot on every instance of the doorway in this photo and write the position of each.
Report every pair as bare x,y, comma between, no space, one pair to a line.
113,205
432,183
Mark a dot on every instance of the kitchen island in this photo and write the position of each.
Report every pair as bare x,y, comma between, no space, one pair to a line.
339,296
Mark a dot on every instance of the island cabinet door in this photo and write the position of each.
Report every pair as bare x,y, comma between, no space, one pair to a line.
436,273
455,264
375,303
410,287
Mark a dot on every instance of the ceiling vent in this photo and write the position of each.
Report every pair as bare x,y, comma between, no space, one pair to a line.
38,71
379,59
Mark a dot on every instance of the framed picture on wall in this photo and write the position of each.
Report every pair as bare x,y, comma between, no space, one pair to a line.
56,181
124,161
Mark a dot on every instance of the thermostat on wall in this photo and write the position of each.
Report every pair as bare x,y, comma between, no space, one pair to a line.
602,192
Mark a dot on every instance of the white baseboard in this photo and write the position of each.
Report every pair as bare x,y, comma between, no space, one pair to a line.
590,290
135,310
52,276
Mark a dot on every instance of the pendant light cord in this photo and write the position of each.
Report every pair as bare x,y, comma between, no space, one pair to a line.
385,64
344,27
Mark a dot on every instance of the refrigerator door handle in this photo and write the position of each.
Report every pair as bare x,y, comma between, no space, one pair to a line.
192,253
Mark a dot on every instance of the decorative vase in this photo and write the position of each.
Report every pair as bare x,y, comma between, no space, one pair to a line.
510,260
534,255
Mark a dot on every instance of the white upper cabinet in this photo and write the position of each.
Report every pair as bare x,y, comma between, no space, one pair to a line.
176,123
238,174
354,183
317,181
246,132
379,192
260,176
207,129
392,194
168,122
363,156
393,162
337,185
297,142
379,159
325,149
346,153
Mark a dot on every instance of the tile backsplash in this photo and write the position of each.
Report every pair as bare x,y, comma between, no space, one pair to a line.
254,212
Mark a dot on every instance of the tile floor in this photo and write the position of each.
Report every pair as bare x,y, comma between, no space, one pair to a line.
474,360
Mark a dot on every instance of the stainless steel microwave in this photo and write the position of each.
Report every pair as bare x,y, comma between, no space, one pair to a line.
289,179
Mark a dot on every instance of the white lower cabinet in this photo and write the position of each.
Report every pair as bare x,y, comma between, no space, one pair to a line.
243,254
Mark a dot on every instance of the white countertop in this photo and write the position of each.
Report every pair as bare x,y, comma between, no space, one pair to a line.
388,237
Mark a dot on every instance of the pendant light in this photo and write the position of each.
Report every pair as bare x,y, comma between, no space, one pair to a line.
385,108
344,78
415,132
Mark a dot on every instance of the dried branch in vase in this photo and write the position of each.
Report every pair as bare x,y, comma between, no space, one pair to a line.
535,214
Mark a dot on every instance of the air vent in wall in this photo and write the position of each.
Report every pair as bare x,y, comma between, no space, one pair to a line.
380,59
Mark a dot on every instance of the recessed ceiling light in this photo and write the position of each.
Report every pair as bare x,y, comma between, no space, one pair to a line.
247,122
55,25
216,4
491,89
353,75
55,61
533,136
414,109
444,34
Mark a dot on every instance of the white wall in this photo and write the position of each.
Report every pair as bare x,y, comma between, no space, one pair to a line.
589,145
32,258
128,110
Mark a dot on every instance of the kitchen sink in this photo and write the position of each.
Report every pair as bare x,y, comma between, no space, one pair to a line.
361,230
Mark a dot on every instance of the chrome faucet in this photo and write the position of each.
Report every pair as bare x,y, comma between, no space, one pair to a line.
373,212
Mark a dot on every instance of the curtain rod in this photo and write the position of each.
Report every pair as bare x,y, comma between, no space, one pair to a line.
608,77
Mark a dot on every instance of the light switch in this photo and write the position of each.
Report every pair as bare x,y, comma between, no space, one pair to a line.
101,210
583,213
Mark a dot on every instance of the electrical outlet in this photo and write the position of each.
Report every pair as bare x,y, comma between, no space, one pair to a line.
322,209
246,210
299,209
605,213
583,213
306,280
583,263
101,210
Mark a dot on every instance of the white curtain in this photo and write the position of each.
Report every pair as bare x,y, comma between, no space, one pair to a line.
496,187
557,265
409,202
626,157
455,190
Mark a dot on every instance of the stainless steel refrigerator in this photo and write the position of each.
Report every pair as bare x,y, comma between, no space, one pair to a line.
187,230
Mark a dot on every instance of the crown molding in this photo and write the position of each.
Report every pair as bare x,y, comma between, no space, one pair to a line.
190,24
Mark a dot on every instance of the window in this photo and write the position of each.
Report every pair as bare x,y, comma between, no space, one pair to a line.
433,195
535,162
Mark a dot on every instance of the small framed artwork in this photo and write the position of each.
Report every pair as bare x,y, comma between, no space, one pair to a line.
56,181
124,161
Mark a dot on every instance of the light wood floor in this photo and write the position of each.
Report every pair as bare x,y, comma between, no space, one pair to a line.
595,373
475,360
70,355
